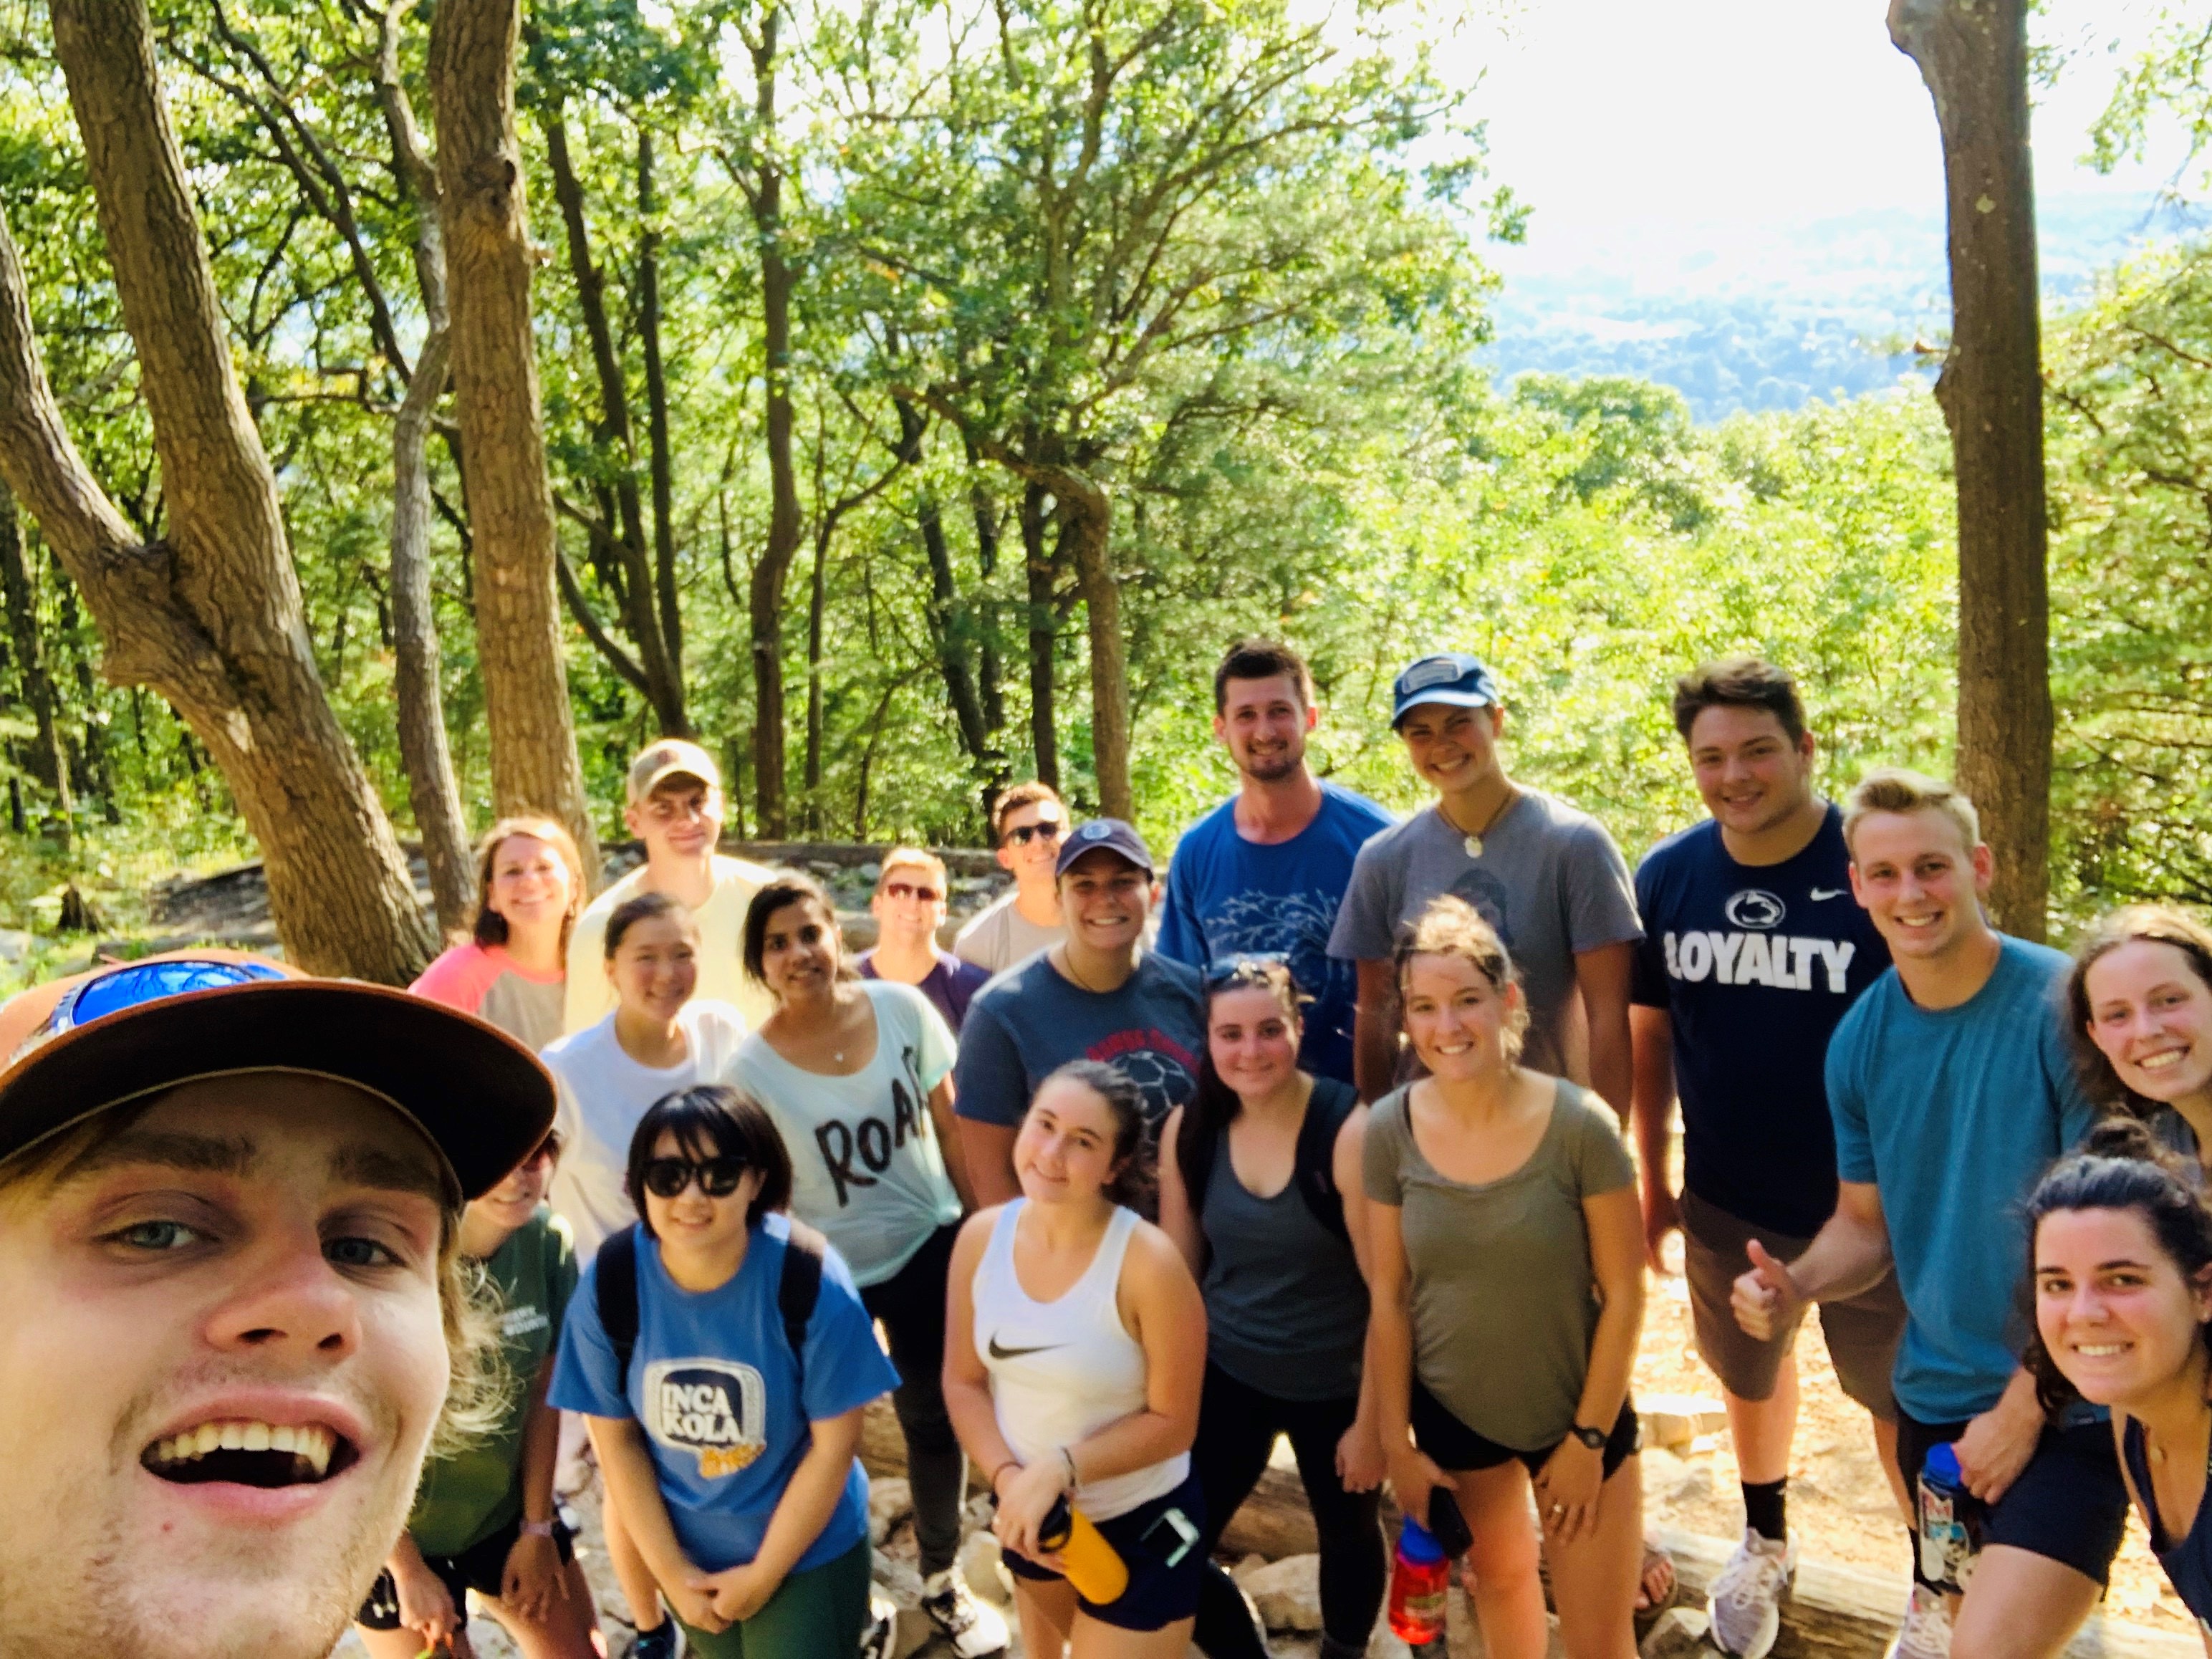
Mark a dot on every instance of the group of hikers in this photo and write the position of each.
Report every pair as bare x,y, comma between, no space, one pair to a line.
1345,1128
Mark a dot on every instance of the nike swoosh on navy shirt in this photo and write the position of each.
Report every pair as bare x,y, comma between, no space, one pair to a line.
1820,894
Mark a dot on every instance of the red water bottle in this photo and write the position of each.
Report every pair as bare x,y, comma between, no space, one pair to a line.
1419,1577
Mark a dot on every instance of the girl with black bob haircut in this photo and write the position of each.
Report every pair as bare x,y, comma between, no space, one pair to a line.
2120,1278
711,1123
724,1407
1263,1196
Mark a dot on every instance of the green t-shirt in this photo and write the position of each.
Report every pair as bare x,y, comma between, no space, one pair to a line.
467,1498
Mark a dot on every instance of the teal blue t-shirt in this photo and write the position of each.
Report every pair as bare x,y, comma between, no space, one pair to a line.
1954,1113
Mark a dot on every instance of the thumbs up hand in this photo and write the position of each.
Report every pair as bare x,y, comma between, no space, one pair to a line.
1766,1299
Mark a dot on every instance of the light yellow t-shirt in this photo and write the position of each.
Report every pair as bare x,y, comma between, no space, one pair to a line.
721,928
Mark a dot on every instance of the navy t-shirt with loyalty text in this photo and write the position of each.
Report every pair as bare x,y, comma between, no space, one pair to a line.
1755,965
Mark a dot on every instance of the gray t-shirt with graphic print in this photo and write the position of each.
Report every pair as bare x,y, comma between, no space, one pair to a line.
1550,880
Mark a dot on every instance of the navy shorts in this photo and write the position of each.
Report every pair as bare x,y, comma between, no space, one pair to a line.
1453,1446
1158,1595
2069,1504
480,1567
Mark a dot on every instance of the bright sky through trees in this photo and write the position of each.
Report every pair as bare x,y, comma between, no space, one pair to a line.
1614,117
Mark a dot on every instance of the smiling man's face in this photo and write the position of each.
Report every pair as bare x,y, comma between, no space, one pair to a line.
222,1360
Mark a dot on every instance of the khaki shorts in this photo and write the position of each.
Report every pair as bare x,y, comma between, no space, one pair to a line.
1862,1332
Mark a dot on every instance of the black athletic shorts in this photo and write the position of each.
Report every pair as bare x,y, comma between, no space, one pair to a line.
478,1567
1455,1446
1158,1595
2069,1504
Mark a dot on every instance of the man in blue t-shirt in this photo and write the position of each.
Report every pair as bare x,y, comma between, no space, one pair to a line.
1754,950
1951,1090
1264,872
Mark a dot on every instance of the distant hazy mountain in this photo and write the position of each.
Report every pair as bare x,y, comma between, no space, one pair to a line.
1739,316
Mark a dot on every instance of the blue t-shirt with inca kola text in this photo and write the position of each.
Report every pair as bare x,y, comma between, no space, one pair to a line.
714,1384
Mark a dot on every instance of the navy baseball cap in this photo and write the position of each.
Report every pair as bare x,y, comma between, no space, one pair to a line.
124,1032
1450,676
1109,834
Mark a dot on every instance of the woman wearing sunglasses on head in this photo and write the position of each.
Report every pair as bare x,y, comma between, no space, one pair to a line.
1260,1191
1074,1348
1506,1249
657,1040
857,1074
483,1516
2120,1251
722,1357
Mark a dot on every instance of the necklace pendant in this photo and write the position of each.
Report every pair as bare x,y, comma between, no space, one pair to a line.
1474,845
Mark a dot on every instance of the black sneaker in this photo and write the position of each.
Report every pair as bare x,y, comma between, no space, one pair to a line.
664,1641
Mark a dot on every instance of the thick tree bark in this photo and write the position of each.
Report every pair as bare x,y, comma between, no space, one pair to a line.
489,259
417,690
1973,56
51,757
649,625
211,617
764,192
946,631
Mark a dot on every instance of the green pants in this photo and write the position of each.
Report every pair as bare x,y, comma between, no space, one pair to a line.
816,1614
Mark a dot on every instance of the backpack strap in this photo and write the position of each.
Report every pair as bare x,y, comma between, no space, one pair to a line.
615,1288
1314,1168
799,1287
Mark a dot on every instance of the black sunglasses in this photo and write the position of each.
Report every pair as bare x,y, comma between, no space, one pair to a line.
718,1178
1050,829
1253,966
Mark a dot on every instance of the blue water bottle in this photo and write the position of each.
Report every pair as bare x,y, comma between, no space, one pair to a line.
1950,1522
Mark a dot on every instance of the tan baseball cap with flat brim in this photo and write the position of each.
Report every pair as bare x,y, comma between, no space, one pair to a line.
482,1098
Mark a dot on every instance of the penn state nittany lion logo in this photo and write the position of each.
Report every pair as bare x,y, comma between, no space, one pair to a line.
716,1408
1754,907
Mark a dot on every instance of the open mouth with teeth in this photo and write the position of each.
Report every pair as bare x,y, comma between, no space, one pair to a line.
250,1454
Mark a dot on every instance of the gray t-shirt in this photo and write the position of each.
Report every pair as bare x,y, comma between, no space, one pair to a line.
1030,1020
1505,1303
1550,880
999,935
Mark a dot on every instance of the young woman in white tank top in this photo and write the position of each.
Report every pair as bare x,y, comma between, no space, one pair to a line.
1074,1350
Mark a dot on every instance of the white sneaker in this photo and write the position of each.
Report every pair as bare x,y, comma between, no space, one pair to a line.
1744,1606
972,1626
1926,1631
880,1638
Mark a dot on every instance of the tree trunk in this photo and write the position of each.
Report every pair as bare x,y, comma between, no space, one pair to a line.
656,651
658,447
1087,516
211,616
765,598
816,604
1973,56
419,696
31,663
1043,631
489,258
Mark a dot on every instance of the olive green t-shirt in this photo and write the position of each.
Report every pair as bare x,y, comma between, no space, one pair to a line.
467,1498
1505,1303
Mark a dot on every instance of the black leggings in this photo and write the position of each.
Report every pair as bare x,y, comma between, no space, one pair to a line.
911,1304
1237,1429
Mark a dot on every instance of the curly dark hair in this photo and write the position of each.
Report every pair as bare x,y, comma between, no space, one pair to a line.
1134,1176
2121,1166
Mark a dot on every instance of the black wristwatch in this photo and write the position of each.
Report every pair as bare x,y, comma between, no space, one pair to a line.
1594,1438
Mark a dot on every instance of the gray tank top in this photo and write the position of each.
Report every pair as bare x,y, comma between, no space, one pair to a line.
1286,1307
